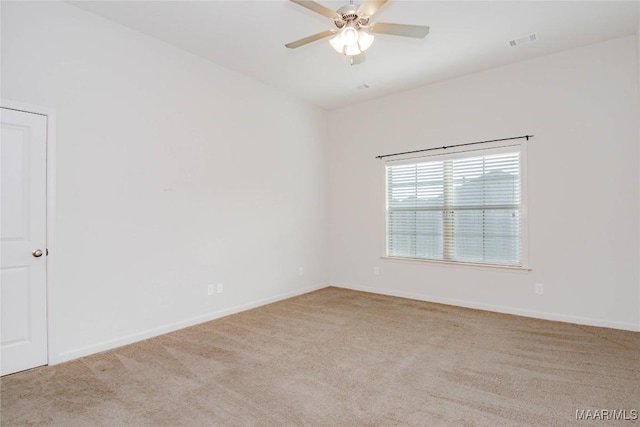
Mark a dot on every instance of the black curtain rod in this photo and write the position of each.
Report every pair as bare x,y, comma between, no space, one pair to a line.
444,147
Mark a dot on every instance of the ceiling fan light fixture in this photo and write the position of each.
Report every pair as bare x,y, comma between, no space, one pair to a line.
351,41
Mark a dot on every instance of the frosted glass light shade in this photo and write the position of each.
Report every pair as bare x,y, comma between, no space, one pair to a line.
352,50
365,39
337,43
349,35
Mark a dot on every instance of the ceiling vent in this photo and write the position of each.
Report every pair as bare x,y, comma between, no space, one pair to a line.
523,40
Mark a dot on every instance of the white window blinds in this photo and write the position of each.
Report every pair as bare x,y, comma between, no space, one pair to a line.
464,208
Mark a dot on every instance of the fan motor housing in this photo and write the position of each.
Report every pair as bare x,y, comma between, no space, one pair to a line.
349,13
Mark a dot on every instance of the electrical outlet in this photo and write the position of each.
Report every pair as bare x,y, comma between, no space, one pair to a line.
210,289
300,271
219,287
539,288
376,271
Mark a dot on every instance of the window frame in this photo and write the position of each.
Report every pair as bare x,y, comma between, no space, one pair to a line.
462,152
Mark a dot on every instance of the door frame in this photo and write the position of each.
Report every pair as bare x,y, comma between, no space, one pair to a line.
50,114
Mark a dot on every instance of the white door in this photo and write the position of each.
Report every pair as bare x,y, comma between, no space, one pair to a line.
23,260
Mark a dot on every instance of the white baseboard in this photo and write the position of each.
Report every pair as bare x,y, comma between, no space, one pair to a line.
150,333
496,308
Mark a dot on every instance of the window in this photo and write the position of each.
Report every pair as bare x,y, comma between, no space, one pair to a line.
462,207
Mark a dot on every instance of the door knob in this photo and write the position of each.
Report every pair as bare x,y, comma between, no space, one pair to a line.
37,253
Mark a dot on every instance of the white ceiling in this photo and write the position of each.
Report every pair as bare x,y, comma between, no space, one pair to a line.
465,37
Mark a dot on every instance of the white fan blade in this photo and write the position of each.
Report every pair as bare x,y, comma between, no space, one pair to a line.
415,31
317,7
310,39
369,7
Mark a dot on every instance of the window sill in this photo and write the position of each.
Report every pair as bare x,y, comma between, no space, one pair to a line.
457,264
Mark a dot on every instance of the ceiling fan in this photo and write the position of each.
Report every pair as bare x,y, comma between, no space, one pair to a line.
354,31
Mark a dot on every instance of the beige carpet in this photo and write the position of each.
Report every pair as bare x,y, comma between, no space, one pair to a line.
342,358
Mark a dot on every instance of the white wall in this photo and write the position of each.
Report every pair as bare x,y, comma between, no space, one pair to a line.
583,107
171,173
